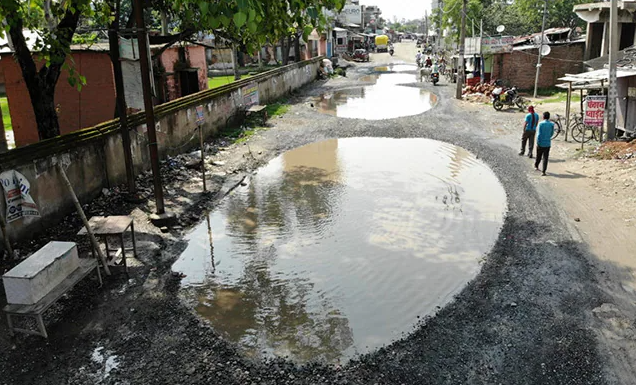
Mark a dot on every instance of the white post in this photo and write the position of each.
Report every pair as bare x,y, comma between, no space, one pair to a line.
612,94
536,79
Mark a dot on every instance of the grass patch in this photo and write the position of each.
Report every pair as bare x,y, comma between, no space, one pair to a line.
562,97
277,109
219,81
556,95
6,118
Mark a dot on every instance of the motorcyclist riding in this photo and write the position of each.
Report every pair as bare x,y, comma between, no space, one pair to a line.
435,69
418,57
429,62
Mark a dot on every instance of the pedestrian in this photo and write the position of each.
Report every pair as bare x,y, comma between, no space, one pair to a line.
544,141
529,129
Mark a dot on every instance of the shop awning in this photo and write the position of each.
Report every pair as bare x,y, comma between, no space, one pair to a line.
597,76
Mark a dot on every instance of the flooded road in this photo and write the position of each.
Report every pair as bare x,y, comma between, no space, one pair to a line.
385,99
339,247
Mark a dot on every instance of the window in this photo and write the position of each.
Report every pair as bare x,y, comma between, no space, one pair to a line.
340,41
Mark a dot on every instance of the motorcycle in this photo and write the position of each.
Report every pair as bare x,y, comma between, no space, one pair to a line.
434,78
420,63
508,98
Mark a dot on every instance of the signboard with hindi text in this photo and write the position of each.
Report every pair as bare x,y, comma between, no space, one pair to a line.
594,110
490,45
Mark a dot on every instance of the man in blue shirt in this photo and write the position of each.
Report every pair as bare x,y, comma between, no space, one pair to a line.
544,141
529,129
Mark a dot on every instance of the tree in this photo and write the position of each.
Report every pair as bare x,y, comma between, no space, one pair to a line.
55,24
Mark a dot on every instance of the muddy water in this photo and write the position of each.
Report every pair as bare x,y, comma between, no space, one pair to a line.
337,248
386,99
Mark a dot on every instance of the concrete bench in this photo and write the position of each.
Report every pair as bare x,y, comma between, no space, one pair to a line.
38,282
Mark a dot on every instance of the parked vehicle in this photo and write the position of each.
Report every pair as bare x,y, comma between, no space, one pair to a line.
510,98
434,78
360,55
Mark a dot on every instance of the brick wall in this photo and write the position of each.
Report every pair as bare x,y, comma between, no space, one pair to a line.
519,67
196,57
93,105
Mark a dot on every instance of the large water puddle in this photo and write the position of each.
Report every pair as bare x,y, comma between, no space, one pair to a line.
338,247
388,98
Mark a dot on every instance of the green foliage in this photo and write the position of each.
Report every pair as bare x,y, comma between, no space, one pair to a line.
6,117
253,22
520,17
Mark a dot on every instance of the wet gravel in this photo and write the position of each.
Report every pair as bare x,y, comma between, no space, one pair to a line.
524,320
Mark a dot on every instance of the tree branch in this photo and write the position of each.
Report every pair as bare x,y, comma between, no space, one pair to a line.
174,39
21,50
64,32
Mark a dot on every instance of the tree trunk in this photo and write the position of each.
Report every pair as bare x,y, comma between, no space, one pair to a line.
43,101
235,63
297,47
4,146
285,49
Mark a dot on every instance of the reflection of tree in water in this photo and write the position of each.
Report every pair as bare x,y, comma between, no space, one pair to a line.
262,310
329,103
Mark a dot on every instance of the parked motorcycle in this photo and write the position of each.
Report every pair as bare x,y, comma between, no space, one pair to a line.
435,78
510,98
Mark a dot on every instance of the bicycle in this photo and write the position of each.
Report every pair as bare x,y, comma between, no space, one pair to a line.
582,133
557,125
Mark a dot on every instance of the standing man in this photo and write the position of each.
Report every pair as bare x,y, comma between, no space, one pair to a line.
544,141
529,129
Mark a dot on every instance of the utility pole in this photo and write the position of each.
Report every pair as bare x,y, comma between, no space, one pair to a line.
536,78
144,62
461,73
612,91
113,42
481,54
438,43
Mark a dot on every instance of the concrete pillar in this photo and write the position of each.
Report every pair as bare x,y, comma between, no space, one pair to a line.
588,42
606,41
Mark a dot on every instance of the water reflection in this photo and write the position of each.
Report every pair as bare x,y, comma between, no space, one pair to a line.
385,99
335,248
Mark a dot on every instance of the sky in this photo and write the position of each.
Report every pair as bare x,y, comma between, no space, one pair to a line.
408,9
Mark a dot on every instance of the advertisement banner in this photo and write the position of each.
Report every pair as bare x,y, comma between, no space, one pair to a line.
351,14
250,95
200,118
594,110
17,194
502,44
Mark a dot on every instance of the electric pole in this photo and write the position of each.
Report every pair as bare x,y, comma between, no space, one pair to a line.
612,92
536,78
461,73
144,62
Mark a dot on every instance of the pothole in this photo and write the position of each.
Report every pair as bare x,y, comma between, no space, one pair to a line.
339,247
388,98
